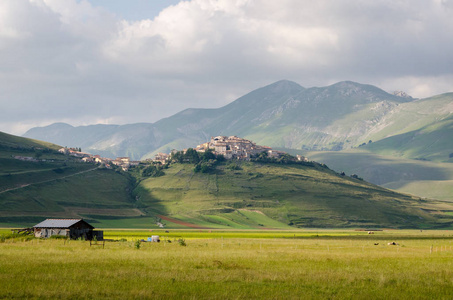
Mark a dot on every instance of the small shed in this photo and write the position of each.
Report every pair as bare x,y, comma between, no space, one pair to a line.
71,228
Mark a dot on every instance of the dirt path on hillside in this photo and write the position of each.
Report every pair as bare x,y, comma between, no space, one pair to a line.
46,181
181,222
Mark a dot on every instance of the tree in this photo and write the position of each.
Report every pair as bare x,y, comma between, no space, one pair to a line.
38,154
286,159
191,156
177,156
262,157
206,166
152,171
207,155
355,176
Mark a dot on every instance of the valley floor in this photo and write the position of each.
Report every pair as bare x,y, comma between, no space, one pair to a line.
310,264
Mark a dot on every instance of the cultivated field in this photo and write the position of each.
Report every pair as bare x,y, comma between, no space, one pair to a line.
232,265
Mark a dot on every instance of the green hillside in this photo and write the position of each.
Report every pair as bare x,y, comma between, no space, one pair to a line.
50,184
431,142
298,195
12,142
100,192
412,116
25,161
429,179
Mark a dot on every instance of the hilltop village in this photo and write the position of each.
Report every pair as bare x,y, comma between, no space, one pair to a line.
124,162
230,147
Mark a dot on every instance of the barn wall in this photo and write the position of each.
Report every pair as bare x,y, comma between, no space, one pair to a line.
48,232
84,233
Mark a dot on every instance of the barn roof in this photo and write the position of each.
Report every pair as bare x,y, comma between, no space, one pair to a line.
59,223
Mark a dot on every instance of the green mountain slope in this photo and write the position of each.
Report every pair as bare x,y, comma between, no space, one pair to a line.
50,184
413,116
431,142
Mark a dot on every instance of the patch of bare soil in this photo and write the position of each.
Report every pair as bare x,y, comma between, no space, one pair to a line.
181,222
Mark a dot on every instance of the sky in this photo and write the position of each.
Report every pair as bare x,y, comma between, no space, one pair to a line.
88,62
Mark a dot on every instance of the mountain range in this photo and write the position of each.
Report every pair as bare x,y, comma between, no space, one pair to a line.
282,115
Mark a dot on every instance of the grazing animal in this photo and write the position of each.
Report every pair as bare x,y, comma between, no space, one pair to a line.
393,244
376,244
370,232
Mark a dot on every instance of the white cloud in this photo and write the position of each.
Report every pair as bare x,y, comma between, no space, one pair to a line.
195,36
68,60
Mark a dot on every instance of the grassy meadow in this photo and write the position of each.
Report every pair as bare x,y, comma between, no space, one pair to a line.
308,264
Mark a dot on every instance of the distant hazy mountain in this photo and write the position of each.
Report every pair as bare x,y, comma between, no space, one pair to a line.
283,114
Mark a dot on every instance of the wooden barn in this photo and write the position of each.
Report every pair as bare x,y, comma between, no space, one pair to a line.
71,228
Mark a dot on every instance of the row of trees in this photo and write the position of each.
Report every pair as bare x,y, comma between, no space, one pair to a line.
205,162
153,171
191,156
285,159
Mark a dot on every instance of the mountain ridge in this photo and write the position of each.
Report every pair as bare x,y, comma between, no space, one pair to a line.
283,114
